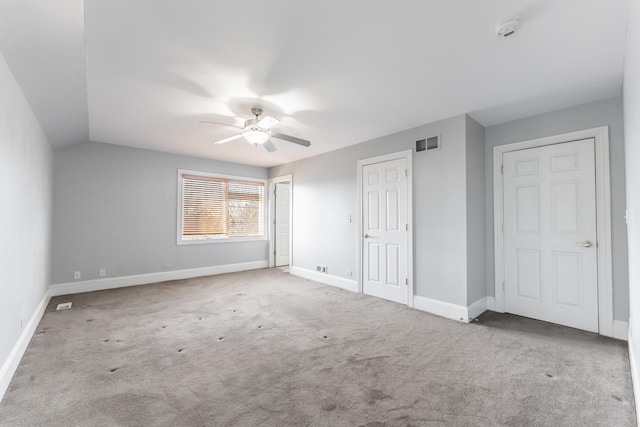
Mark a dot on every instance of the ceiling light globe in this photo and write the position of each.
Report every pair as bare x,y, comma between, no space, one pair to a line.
256,136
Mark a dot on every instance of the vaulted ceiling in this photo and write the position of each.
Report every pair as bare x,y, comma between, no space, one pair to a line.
143,73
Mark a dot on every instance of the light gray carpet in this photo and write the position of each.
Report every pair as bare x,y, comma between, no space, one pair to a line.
264,348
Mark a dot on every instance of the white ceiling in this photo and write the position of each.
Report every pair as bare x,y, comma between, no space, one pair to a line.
43,43
335,72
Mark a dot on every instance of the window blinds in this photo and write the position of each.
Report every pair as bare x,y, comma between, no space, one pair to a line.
215,207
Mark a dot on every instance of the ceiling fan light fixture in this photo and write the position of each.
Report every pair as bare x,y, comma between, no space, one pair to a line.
256,136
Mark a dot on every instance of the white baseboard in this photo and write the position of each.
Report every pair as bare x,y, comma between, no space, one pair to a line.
491,303
477,308
10,365
327,279
144,279
441,308
452,311
620,330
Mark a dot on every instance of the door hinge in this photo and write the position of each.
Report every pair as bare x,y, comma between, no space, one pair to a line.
406,173
274,222
275,192
503,228
503,287
406,281
502,169
406,227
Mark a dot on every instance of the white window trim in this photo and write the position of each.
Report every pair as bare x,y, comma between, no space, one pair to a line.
180,241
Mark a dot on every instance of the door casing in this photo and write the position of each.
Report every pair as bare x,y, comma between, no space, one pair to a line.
406,154
603,217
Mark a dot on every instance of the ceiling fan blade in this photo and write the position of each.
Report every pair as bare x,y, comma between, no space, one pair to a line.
221,124
270,146
267,121
290,138
231,138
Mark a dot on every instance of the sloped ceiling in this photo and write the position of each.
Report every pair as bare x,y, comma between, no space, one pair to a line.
43,43
334,72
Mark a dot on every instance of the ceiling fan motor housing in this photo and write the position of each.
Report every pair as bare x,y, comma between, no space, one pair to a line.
251,124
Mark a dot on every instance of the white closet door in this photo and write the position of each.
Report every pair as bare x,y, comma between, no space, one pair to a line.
384,240
550,234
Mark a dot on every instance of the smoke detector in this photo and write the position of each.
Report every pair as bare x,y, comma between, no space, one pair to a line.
507,28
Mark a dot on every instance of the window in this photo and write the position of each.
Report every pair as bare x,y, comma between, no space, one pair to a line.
219,208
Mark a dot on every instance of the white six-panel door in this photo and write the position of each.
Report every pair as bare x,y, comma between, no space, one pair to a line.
384,228
282,223
550,234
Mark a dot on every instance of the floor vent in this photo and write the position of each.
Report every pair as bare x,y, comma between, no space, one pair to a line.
64,306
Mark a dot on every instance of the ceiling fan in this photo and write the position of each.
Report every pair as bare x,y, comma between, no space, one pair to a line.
258,131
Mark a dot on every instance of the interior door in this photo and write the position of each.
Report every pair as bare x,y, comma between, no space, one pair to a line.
282,223
384,238
550,234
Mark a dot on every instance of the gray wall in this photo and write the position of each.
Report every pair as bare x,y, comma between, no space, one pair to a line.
631,92
26,168
325,192
116,208
475,173
607,112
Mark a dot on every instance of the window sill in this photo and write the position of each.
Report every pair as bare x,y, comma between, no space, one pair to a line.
181,242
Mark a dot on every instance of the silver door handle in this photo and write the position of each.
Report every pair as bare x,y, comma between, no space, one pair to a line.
365,235
585,244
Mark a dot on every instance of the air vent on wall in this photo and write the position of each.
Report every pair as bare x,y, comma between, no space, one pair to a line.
427,144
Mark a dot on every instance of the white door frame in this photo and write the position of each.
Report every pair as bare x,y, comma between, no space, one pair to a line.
407,154
603,217
272,217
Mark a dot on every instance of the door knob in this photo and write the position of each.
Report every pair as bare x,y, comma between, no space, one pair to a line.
365,235
585,244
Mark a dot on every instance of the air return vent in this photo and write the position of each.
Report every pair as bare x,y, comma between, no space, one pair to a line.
427,144
64,306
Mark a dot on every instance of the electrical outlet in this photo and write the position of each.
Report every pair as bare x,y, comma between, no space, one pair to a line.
76,275
166,265
321,268
349,273
102,272
348,218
